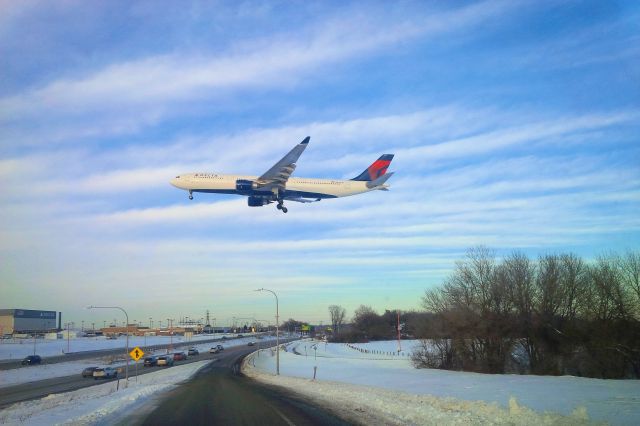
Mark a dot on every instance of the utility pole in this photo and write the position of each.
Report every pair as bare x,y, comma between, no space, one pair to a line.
399,344
68,345
170,324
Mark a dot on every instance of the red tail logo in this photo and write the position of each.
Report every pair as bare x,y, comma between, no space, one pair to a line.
378,168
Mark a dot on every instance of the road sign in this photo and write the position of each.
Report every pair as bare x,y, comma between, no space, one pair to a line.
136,353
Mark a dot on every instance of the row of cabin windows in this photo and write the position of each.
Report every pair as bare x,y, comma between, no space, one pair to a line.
208,177
315,182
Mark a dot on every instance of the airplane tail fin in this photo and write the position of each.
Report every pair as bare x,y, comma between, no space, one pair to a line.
377,169
379,183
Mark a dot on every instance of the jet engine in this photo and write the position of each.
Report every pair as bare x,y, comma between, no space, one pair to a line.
246,186
254,201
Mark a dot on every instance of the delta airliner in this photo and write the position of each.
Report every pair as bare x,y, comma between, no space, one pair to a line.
277,185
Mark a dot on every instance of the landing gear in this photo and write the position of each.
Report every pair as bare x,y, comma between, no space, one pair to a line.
190,195
280,206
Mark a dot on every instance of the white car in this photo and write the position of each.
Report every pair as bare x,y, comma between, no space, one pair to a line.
105,373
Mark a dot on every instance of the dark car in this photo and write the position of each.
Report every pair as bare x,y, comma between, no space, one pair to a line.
31,360
150,361
88,372
179,356
192,352
251,344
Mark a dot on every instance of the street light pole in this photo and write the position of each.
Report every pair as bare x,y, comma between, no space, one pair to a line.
277,330
126,355
170,325
68,349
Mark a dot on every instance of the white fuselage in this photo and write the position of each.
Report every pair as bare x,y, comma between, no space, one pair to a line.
300,187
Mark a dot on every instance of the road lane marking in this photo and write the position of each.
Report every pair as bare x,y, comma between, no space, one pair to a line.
278,412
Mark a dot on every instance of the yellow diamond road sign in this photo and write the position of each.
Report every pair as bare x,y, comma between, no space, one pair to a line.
136,353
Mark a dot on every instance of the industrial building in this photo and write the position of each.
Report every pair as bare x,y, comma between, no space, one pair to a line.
27,321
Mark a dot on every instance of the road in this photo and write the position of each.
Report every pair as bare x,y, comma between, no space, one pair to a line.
221,395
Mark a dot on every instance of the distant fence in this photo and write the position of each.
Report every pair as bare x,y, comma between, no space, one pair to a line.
378,352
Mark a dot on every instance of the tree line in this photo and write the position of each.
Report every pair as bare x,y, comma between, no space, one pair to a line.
555,315
367,325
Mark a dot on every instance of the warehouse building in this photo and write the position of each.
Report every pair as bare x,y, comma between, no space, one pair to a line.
27,321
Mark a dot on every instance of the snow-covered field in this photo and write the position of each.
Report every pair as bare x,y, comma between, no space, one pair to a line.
514,397
100,404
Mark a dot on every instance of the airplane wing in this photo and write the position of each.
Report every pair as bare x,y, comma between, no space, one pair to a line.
278,175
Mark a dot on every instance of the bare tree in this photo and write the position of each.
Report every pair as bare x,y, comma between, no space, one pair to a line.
574,277
338,314
520,274
548,291
629,266
570,317
608,298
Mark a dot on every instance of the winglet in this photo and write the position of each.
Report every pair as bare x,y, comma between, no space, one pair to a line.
306,140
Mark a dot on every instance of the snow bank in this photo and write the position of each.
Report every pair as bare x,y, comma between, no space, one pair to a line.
377,406
97,404
613,401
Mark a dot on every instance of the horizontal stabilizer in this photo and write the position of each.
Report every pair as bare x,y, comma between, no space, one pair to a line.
380,181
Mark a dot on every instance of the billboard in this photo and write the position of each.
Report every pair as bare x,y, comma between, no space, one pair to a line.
33,314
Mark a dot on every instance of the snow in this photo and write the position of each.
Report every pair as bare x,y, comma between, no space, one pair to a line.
614,401
98,404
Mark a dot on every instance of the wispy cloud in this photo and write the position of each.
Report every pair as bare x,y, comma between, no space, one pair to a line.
129,95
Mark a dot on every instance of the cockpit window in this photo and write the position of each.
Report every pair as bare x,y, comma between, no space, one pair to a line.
177,177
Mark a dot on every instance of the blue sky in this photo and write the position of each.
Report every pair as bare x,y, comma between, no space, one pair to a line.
514,125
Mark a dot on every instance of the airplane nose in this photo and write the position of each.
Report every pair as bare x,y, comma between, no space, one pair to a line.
175,182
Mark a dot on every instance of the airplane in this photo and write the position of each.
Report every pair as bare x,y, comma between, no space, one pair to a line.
277,185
